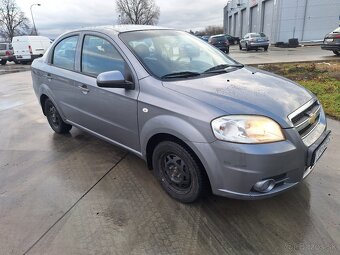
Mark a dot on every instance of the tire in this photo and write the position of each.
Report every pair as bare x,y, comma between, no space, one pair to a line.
227,51
3,62
336,52
54,118
240,46
265,48
247,47
170,158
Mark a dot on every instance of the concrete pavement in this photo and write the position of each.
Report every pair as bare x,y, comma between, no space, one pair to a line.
75,194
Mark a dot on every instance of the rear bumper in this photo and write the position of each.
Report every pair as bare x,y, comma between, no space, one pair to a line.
258,44
26,58
8,58
330,47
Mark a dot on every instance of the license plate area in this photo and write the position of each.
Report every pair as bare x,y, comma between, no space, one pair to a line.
315,152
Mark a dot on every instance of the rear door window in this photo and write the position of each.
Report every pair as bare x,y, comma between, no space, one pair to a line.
99,55
65,52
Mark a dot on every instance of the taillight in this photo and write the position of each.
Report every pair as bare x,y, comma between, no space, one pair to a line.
30,49
337,36
8,53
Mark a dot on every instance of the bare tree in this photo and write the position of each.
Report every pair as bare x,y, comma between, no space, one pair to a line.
143,12
12,20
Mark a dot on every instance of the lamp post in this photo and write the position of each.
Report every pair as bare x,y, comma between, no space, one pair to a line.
35,29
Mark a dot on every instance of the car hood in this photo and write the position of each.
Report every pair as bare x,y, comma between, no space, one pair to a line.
246,91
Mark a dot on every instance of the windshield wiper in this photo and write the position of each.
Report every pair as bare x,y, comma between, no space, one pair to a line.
180,75
222,68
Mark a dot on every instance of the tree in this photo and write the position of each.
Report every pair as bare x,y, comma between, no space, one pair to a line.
143,12
12,21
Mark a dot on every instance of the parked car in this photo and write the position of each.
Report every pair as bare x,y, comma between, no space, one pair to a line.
205,38
254,41
233,39
332,42
197,117
6,53
220,41
28,48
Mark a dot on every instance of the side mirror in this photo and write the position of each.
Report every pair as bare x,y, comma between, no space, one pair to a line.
114,79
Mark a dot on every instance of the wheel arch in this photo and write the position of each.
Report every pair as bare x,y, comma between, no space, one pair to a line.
161,137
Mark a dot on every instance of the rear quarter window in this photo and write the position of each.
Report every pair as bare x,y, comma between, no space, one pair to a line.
65,52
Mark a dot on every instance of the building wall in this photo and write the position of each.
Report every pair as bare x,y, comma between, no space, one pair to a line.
282,19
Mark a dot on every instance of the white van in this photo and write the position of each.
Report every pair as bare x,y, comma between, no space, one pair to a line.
28,48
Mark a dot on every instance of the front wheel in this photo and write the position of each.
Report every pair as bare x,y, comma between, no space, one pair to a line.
247,47
265,48
179,173
3,62
54,118
336,52
240,46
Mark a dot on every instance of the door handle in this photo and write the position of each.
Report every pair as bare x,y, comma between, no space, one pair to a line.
48,76
84,89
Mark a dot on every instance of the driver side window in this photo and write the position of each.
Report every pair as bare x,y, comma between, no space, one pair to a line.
99,55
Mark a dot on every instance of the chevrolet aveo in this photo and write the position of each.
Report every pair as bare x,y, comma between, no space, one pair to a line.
197,117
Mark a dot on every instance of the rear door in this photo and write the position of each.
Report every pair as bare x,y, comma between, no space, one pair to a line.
60,76
109,112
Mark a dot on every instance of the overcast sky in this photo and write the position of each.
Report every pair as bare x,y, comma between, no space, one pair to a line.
54,17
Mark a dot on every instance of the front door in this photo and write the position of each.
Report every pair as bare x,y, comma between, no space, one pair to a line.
109,112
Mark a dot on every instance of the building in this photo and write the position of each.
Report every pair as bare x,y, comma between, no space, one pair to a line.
280,20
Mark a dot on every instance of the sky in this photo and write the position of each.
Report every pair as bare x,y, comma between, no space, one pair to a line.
54,17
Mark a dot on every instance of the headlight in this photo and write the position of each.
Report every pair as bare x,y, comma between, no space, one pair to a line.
247,129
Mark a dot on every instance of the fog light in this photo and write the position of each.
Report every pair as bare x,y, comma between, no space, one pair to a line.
265,185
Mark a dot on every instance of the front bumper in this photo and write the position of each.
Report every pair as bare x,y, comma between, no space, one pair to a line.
233,169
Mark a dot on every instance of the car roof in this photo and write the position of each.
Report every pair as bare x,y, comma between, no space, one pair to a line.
218,35
116,29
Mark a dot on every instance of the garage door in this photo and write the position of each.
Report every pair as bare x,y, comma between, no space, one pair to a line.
253,19
267,18
244,24
236,25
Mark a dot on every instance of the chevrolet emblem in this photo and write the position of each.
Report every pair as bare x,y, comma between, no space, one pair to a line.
312,118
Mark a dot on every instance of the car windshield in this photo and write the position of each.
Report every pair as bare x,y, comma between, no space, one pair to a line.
168,53
255,35
337,30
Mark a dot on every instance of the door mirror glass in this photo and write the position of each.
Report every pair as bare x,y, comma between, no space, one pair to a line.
113,79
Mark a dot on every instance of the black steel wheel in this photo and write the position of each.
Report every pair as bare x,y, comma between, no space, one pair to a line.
54,118
178,171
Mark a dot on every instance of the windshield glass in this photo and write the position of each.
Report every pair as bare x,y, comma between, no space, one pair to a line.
166,52
337,30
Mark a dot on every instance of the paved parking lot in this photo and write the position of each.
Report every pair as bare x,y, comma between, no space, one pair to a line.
280,55
75,194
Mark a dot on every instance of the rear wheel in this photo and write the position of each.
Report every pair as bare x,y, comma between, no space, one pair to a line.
265,48
247,47
54,118
227,51
336,52
180,175
3,62
240,46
